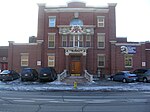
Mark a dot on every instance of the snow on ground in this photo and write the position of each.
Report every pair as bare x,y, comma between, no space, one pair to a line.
17,85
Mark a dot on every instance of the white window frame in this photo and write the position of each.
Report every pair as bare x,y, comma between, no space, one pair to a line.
52,21
51,34
99,22
24,58
88,39
64,40
71,41
101,38
51,63
98,59
81,42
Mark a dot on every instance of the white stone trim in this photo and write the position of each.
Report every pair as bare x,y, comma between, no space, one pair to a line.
128,44
147,49
25,43
113,41
75,50
84,26
41,4
40,41
112,4
66,9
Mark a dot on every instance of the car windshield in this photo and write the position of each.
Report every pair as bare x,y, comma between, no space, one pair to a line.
26,71
45,70
5,72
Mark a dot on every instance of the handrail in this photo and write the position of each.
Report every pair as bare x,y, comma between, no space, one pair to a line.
62,75
88,76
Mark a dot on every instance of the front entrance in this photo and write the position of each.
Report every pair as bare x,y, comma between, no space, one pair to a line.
3,66
75,67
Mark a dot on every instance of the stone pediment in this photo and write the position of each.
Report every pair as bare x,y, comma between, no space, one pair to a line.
76,30
75,50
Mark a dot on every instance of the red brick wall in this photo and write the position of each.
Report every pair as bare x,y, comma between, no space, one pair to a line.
15,57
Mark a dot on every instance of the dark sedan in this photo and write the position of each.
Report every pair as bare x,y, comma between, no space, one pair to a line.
124,76
9,75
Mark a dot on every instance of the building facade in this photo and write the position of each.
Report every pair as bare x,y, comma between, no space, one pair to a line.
78,38
3,58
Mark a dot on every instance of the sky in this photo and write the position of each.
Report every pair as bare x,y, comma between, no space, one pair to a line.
19,18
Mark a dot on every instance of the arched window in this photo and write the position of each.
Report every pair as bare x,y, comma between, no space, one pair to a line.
76,21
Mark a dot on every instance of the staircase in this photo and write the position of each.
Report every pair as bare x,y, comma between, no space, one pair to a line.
77,79
63,77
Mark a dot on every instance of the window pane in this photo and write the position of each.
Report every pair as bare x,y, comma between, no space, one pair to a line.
80,41
100,21
51,40
64,40
71,41
52,21
101,40
128,61
76,40
88,41
51,61
101,61
24,60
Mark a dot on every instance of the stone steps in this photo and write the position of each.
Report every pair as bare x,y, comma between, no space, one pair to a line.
77,79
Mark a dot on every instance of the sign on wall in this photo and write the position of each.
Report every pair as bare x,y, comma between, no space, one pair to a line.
128,49
38,63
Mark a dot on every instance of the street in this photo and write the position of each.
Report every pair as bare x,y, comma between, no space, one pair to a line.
67,101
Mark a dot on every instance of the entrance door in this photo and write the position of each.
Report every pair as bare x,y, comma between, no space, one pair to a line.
4,66
75,68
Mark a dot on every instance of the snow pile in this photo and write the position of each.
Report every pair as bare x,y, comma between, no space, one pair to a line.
52,86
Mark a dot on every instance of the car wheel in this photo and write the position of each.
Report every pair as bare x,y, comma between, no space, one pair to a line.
144,79
124,80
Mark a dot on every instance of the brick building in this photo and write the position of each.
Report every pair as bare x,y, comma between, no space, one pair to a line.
3,57
78,38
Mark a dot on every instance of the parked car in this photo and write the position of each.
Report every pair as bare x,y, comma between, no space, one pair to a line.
142,74
124,76
47,74
9,75
29,74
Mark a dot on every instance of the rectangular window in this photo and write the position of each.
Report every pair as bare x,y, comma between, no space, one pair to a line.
101,40
52,21
101,60
64,40
88,40
51,40
51,61
76,40
71,41
24,59
128,60
80,40
100,21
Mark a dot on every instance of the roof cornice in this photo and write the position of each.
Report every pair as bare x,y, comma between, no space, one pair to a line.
66,9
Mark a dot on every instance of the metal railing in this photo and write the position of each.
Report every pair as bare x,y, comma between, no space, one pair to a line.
62,75
88,76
